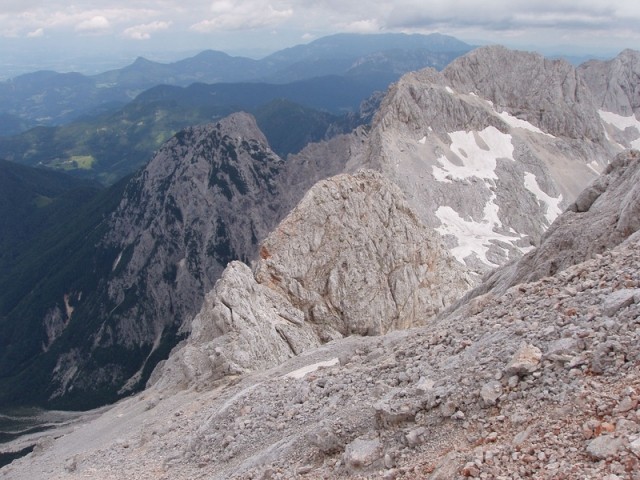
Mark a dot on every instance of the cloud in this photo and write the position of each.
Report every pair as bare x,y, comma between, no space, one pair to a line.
39,32
95,24
229,15
363,26
247,23
143,32
500,15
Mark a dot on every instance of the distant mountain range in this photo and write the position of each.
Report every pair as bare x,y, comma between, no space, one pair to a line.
108,125
50,98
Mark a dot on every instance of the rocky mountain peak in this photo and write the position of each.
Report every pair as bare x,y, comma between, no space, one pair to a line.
546,93
615,83
351,258
352,247
490,150
206,198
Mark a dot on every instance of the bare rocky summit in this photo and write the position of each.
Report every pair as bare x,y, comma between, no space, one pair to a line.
615,83
206,198
351,259
490,150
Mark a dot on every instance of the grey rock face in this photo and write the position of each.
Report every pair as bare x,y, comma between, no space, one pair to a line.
490,150
615,85
242,326
351,258
546,93
587,228
206,198
355,258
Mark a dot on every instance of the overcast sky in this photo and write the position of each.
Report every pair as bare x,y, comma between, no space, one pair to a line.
61,29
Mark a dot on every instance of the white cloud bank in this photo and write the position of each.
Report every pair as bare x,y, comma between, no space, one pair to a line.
144,31
587,25
229,15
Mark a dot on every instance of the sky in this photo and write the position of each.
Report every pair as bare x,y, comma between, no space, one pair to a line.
88,34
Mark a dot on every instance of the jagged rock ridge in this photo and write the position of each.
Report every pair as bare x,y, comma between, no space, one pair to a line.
351,258
207,197
615,85
490,150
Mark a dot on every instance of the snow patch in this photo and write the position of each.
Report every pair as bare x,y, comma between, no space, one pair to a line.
515,122
423,140
593,165
553,204
117,261
449,90
301,372
622,123
473,237
476,161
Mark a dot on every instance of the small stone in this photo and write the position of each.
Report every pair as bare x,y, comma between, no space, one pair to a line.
604,447
525,361
490,392
521,437
625,405
388,460
326,440
414,437
590,429
618,300
362,453
470,470
71,465
304,469
388,415
634,446
425,384
459,415
390,474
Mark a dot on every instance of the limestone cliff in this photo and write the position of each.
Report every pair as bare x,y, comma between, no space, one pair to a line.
615,85
490,150
351,258
206,198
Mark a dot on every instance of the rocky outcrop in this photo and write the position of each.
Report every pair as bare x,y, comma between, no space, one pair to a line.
206,198
604,215
351,258
490,150
615,85
356,259
242,326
